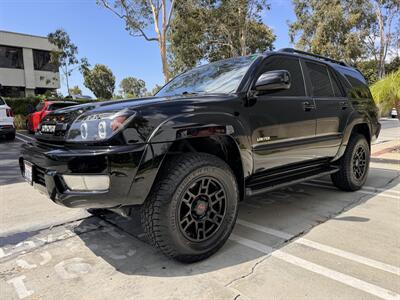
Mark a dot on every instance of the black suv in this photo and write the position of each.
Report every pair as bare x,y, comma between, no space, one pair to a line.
209,138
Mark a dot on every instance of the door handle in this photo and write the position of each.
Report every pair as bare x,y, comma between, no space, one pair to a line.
308,106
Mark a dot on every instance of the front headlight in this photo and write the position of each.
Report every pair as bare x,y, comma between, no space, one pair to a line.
94,127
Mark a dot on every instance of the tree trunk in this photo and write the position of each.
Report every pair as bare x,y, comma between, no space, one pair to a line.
161,36
164,60
66,79
382,46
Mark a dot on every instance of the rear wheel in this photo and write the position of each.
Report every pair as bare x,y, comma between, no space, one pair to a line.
354,165
192,208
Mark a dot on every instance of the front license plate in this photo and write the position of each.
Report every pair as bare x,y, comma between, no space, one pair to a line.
28,171
48,128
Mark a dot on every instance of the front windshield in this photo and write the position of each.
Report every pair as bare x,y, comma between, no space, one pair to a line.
219,77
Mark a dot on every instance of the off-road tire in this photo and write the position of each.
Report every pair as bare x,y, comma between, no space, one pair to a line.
346,179
160,213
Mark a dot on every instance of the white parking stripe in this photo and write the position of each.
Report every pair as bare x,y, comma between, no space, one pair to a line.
25,136
354,257
383,194
331,274
18,138
267,230
368,188
337,276
347,255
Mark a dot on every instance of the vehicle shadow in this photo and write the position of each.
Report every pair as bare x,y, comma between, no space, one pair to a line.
9,166
293,211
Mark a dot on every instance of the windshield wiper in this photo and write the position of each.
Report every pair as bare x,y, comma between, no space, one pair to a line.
189,93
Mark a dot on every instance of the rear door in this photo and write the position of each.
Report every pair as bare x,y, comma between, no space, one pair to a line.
332,107
283,122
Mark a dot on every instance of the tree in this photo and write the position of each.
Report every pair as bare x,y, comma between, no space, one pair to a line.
139,15
386,92
75,91
65,56
393,66
337,29
155,89
368,69
100,80
218,29
132,87
381,37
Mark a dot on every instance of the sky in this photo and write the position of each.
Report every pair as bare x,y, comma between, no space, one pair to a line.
102,38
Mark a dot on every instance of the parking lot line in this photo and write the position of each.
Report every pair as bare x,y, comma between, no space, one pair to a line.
383,194
341,253
368,188
315,268
267,230
351,256
25,136
17,136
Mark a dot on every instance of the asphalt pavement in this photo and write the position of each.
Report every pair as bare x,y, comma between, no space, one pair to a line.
309,241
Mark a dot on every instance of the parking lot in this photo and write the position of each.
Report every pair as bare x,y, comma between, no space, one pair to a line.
306,241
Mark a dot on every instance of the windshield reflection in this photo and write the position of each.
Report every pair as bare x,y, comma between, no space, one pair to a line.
219,77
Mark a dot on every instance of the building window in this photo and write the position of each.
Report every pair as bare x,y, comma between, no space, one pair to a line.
42,61
12,91
11,57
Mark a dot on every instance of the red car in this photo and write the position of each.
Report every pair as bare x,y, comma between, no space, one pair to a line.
43,108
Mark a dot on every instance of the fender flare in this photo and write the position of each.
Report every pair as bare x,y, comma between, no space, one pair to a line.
347,134
173,130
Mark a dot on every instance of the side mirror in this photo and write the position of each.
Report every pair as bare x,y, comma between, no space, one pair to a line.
273,80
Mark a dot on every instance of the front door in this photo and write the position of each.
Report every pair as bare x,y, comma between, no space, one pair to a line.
283,122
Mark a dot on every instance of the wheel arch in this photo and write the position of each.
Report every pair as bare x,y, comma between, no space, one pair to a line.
219,134
223,146
360,126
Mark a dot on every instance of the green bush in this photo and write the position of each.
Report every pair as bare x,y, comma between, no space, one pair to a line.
23,106
20,121
20,105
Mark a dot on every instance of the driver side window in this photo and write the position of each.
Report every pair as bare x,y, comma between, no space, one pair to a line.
293,66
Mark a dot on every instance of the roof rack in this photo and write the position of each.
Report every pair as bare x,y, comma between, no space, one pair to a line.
291,50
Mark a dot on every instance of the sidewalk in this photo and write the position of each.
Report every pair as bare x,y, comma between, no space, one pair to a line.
386,152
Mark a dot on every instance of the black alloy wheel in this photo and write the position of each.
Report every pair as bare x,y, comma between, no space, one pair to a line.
202,209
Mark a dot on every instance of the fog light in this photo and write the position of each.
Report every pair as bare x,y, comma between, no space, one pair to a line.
87,183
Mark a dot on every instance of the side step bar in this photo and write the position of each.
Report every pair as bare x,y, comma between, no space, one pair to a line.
276,182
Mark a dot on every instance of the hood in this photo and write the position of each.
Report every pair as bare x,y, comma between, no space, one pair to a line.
150,112
63,118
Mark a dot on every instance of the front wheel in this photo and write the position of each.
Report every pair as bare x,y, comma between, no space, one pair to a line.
354,165
192,208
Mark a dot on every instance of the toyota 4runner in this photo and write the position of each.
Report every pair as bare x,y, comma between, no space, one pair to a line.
209,138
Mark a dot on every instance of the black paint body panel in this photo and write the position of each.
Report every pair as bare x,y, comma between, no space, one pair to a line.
268,131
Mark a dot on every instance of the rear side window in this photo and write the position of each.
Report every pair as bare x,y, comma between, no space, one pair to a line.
320,81
2,102
335,85
293,66
359,87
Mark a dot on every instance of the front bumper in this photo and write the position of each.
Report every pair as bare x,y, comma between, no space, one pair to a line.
49,163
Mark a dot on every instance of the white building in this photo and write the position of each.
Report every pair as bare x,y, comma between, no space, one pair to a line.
25,67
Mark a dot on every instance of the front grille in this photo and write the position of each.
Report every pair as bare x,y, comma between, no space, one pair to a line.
39,176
